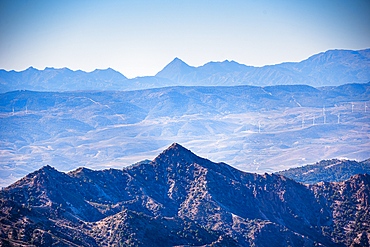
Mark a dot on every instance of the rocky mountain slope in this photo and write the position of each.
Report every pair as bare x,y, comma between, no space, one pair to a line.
327,170
331,68
181,199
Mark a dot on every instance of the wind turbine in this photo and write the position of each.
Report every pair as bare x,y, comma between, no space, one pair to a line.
323,113
338,118
259,126
352,106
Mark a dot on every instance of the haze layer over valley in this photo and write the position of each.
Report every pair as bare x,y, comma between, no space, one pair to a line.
257,129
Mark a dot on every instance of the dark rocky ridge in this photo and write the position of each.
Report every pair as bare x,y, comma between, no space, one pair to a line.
181,199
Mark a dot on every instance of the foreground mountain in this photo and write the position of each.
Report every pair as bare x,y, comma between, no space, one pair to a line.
257,129
327,170
331,68
180,199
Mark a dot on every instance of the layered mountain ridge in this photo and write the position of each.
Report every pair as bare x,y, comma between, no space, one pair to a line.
330,68
181,199
327,170
324,69
269,128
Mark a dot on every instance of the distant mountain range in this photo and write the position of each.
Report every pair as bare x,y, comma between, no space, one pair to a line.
331,68
181,199
51,79
327,170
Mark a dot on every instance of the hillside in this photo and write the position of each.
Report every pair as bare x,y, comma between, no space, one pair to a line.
327,170
256,129
181,199
330,68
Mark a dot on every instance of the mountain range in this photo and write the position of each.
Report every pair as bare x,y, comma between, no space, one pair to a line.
181,199
330,68
327,170
256,129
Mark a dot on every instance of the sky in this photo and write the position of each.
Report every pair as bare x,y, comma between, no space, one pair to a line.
138,38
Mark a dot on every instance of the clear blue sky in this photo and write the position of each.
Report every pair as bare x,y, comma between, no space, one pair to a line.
140,37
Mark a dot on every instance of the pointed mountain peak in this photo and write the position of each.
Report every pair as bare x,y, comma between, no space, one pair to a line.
176,68
177,147
177,60
178,156
176,153
48,168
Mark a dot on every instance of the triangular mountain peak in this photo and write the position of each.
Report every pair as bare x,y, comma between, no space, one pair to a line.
176,154
176,149
176,68
177,63
177,60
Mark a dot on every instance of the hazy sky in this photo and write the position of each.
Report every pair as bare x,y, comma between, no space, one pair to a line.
140,37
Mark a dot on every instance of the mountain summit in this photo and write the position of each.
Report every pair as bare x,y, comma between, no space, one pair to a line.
175,70
176,153
181,199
